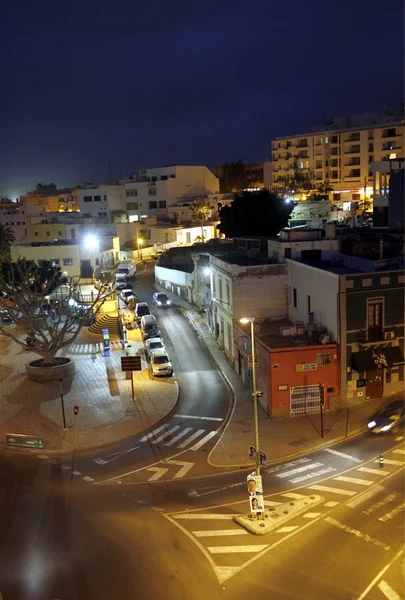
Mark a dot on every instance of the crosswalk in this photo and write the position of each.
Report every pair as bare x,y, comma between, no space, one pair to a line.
179,437
96,348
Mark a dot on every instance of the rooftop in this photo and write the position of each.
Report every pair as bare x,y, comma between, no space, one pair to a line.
268,333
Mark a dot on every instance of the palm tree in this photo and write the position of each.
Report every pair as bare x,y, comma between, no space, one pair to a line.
7,238
325,187
201,213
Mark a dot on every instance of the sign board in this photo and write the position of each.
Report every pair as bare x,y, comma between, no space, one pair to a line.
306,367
255,492
131,363
26,441
250,361
252,455
106,342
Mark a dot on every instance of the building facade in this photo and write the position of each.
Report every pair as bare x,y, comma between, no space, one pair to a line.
12,214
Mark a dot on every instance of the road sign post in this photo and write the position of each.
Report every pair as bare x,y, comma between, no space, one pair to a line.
63,404
25,441
252,456
131,363
75,412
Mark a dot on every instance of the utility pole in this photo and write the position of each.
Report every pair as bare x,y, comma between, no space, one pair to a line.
63,404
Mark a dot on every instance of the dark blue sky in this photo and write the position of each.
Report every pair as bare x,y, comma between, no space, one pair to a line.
153,82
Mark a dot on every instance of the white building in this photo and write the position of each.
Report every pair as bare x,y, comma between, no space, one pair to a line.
303,244
102,202
12,214
153,191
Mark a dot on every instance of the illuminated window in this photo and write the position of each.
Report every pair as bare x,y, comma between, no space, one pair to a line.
393,155
152,191
323,360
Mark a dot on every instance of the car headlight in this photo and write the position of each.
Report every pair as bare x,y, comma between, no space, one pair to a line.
386,428
372,424
159,302
168,302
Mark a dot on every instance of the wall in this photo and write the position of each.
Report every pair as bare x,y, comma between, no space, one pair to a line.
50,253
323,287
276,249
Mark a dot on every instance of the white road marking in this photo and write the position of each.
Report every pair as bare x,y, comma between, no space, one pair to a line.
388,461
195,494
87,478
310,515
393,513
331,504
191,438
379,472
293,495
378,576
287,529
364,496
326,488
104,461
66,468
390,498
76,472
271,503
364,482
235,549
43,456
387,590
314,465
399,438
203,440
343,455
300,461
166,434
224,573
152,433
357,533
399,451
218,532
159,472
204,516
185,467
179,436
312,475
201,418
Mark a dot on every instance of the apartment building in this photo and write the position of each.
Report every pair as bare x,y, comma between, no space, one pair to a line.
12,214
153,191
105,203
48,198
342,151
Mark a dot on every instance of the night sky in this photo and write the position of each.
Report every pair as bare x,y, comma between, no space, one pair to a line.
149,83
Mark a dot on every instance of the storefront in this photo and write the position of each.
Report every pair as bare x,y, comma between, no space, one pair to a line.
376,369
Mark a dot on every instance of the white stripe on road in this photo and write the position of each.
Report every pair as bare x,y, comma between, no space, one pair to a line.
364,482
300,470
387,461
365,496
326,488
331,504
195,417
87,478
294,495
357,533
399,438
44,456
343,455
399,451
191,438
380,472
166,434
378,576
203,440
217,532
66,468
310,515
287,529
271,503
394,512
76,472
234,549
300,461
312,475
152,433
179,436
387,590
204,516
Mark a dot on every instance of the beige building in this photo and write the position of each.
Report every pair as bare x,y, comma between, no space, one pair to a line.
47,198
342,151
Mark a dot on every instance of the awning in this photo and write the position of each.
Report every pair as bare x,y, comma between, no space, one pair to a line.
380,358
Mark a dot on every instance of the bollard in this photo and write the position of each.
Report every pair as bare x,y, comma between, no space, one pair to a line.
381,461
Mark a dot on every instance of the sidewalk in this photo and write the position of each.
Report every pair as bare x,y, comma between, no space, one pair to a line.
279,438
101,390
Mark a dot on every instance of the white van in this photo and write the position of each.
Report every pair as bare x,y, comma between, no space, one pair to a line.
125,270
149,327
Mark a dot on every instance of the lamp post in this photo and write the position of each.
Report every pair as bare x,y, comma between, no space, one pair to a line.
251,320
140,242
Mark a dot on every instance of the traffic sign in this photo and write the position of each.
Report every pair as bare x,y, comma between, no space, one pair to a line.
27,441
131,363
252,455
250,361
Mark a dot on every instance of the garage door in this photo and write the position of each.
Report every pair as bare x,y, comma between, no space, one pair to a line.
305,399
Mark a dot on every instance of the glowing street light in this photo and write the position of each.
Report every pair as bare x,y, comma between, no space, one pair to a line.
255,393
91,242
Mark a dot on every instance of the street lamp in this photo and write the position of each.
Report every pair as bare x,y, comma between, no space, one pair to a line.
140,242
91,242
251,320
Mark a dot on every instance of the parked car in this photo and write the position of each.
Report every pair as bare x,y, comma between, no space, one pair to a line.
5,317
388,418
161,299
141,309
126,295
153,344
160,364
149,327
123,285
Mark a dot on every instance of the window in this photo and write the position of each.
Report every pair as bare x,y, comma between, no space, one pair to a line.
374,319
59,233
371,135
220,288
330,390
323,360
105,198
102,215
334,139
87,198
67,262
132,205
356,197
55,262
334,151
173,176
295,297
97,198
163,178
188,237
287,252
162,203
371,147
48,233
228,293
154,178
354,173
308,303
153,205
334,175
334,162
389,132
152,191
229,331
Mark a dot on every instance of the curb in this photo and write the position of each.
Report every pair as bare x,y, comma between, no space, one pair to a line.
97,446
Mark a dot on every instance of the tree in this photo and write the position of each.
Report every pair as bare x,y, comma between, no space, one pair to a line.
298,182
234,177
325,188
49,323
6,239
201,213
263,214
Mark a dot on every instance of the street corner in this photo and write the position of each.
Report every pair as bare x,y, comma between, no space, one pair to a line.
273,517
